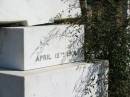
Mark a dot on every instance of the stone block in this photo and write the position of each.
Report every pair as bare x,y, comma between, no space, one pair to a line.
68,80
36,12
34,47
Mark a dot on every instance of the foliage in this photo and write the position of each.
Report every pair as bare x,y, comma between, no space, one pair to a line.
106,38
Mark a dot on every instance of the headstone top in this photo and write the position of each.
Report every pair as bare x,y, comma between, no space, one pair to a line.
36,12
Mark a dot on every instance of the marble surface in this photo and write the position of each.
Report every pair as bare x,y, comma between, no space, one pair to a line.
37,11
67,80
27,48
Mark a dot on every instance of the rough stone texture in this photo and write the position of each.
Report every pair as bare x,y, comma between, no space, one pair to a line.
68,80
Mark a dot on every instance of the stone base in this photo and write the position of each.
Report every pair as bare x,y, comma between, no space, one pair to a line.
58,81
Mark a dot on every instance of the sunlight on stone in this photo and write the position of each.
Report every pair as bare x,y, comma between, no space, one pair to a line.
37,11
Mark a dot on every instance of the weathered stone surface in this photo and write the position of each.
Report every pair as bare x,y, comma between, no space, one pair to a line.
26,48
68,80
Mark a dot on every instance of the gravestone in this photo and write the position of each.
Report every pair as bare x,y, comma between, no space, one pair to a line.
57,48
27,48
36,12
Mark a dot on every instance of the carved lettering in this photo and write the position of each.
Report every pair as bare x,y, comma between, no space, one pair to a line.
66,54
75,53
57,55
43,57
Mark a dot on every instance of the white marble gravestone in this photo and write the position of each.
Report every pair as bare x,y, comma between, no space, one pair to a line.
36,12
68,80
27,48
